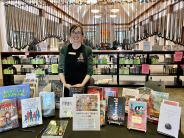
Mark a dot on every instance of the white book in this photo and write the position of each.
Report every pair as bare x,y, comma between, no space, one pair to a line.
86,112
66,107
169,120
31,112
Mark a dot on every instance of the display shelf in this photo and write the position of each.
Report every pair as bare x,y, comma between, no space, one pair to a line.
132,74
107,52
106,64
28,64
162,74
105,74
29,72
162,63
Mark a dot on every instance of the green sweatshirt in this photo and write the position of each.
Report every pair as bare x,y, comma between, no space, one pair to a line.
63,52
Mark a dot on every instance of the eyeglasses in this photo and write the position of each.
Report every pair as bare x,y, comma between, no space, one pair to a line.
76,33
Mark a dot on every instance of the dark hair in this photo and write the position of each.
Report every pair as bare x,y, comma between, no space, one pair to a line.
73,27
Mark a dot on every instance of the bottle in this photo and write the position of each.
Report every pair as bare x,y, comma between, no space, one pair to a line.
164,69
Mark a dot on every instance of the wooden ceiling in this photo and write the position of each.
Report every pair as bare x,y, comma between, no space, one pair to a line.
127,12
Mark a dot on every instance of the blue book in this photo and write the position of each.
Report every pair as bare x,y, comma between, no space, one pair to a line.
15,91
47,103
8,115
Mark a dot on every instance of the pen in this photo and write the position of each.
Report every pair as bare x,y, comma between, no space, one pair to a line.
41,131
26,130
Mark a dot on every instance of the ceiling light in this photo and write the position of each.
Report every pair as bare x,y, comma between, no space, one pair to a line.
91,1
95,11
114,10
113,16
97,16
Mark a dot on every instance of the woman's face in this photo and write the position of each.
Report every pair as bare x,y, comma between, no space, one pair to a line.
76,35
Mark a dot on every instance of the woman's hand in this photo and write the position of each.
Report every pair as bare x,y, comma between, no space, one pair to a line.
67,86
78,85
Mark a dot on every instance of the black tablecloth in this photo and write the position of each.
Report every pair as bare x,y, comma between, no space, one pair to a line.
107,131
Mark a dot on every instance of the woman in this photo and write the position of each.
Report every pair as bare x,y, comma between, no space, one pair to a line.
75,62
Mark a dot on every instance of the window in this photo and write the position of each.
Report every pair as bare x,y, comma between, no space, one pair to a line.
84,12
132,6
79,8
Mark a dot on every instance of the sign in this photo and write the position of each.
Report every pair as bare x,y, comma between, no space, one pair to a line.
178,55
30,75
169,120
86,112
43,46
146,46
27,53
145,68
54,68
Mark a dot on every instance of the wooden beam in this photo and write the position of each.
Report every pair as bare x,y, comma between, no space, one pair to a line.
42,12
170,9
51,5
151,18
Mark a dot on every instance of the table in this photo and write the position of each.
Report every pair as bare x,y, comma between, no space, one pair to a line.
107,131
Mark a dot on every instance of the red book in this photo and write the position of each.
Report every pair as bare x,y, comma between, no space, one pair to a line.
96,90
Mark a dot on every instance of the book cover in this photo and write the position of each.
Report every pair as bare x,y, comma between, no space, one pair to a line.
116,110
171,102
137,115
15,91
66,107
129,93
169,120
102,112
109,92
95,90
58,89
155,100
47,103
56,128
8,115
86,112
31,112
76,90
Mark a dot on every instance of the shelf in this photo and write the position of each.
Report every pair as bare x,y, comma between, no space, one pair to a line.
105,74
133,74
29,64
162,63
162,74
29,72
106,64
131,52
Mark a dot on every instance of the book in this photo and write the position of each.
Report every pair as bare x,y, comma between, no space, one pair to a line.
137,115
116,110
76,90
8,115
15,91
58,89
47,103
109,92
86,112
171,102
65,107
96,90
102,112
55,129
155,100
129,93
31,112
32,92
169,120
